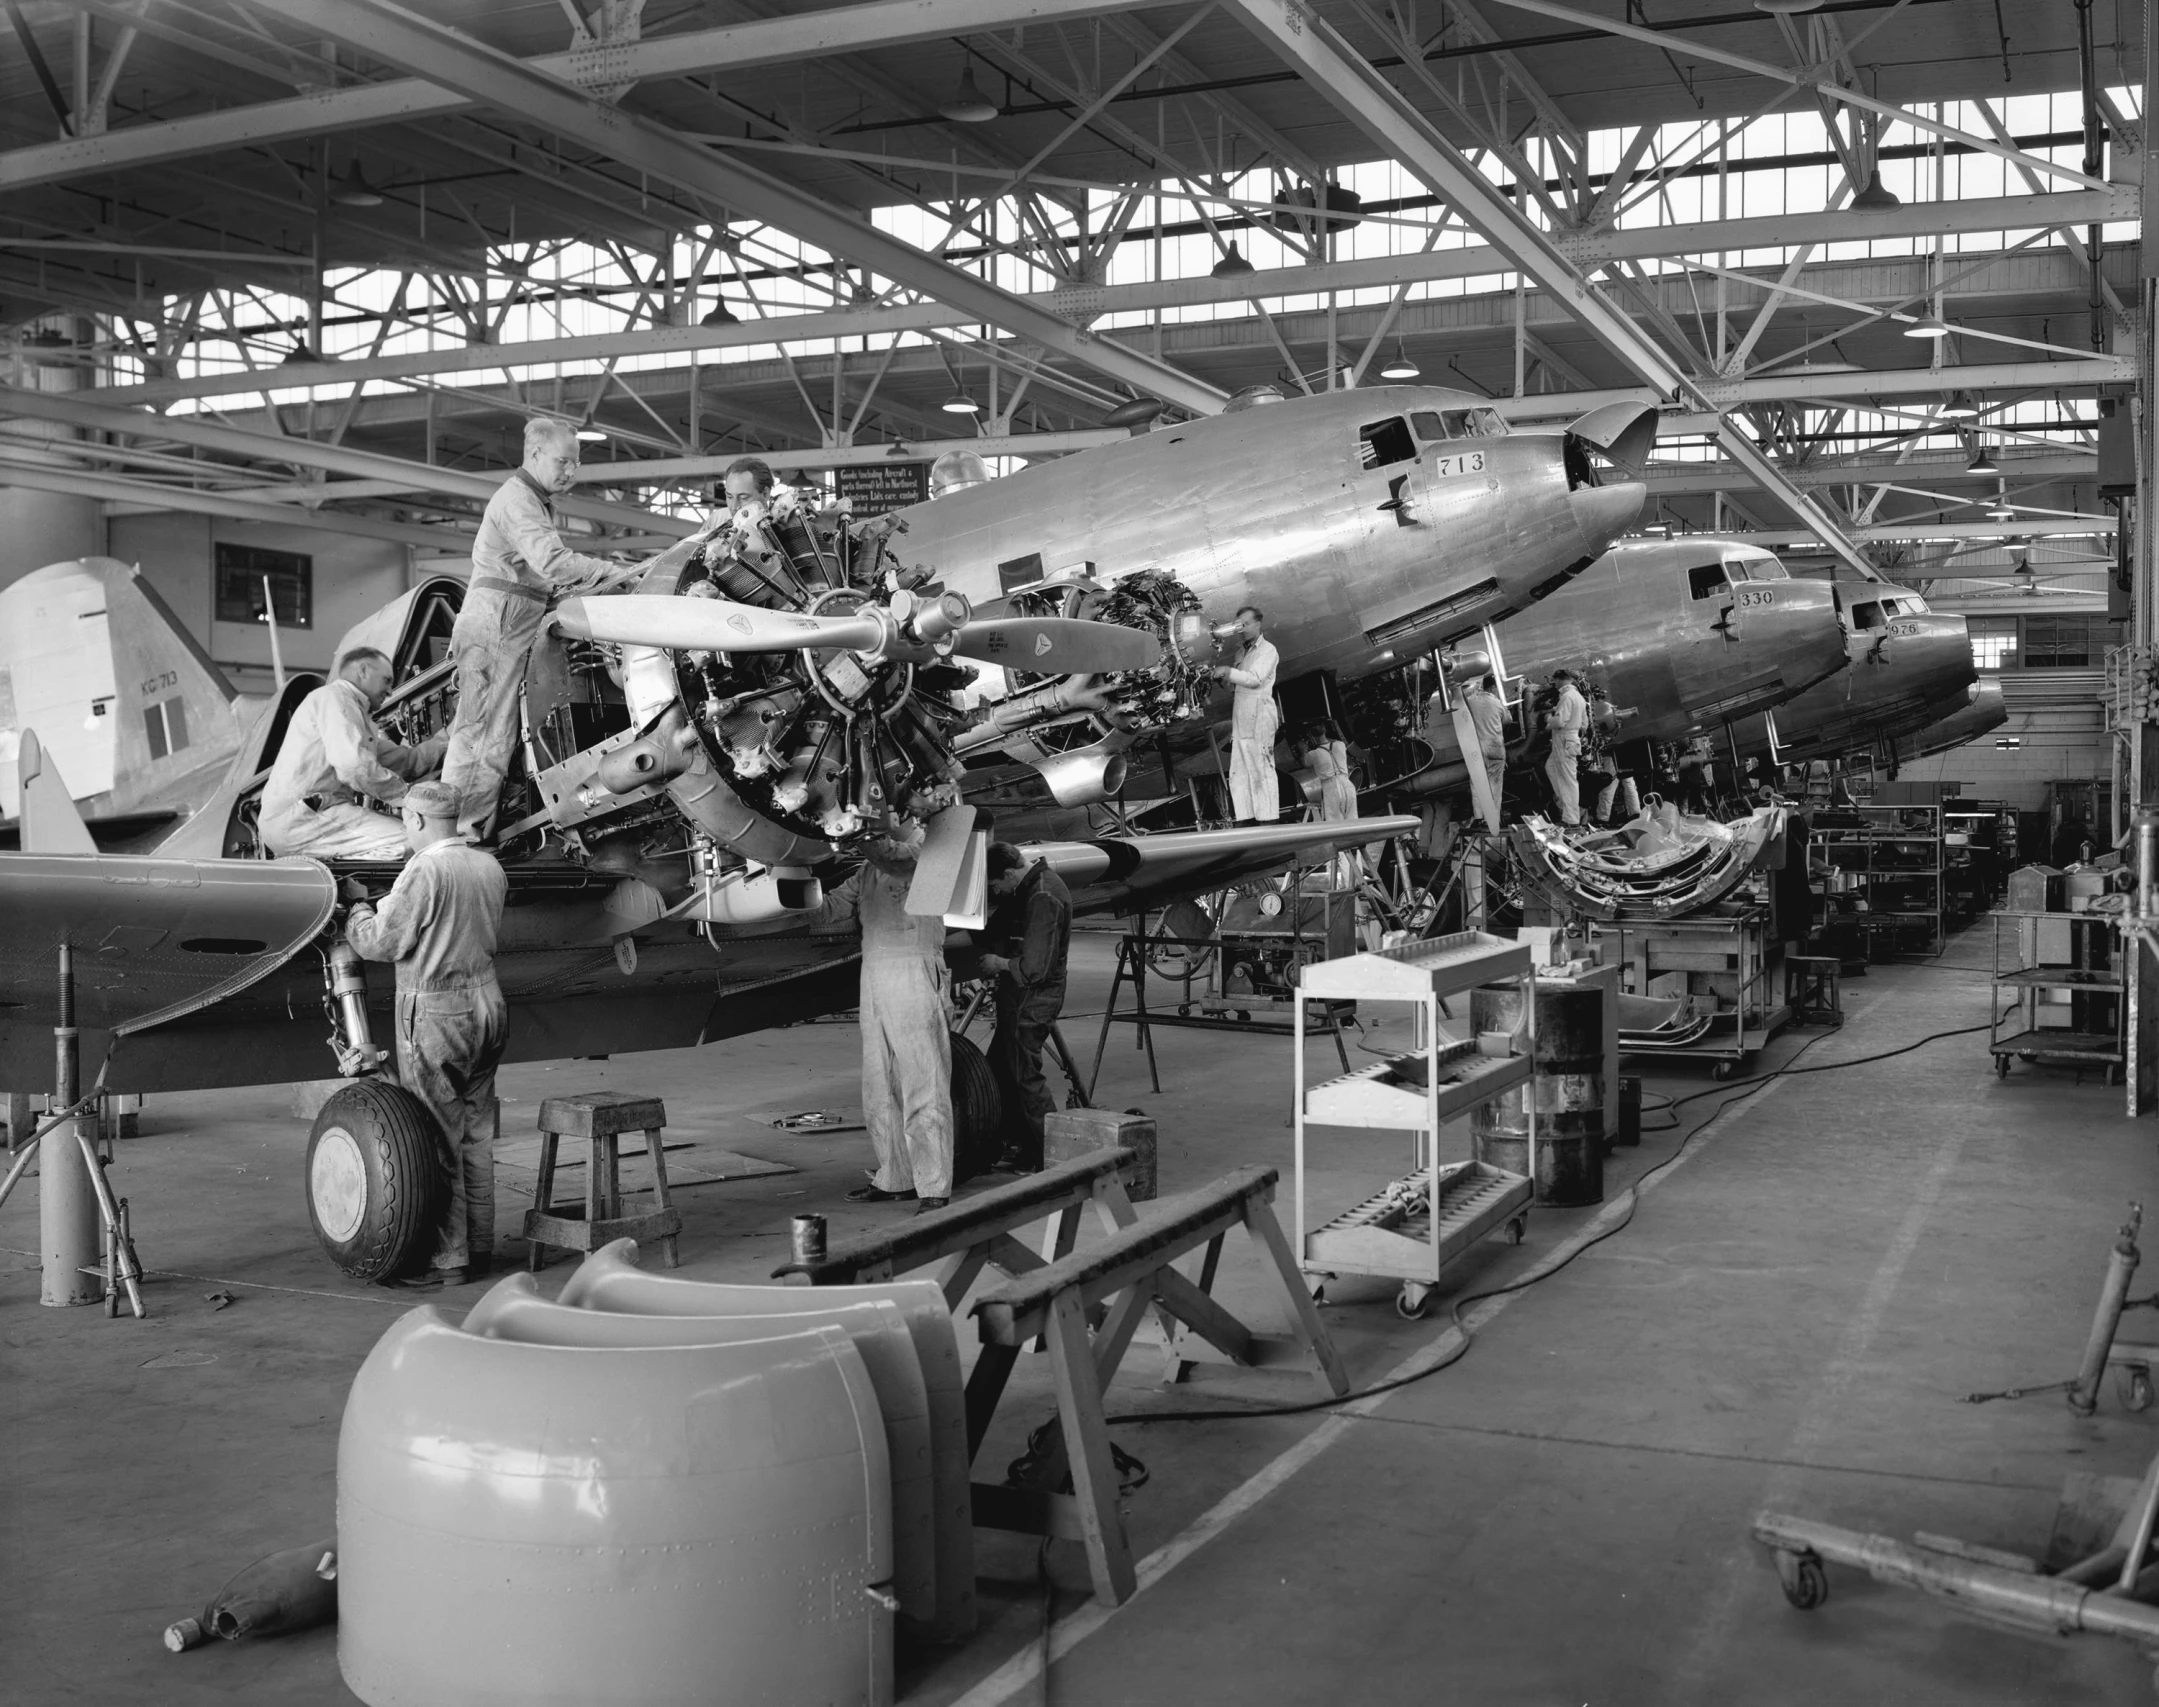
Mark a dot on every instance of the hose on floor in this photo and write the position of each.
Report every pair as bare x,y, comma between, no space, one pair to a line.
1737,1090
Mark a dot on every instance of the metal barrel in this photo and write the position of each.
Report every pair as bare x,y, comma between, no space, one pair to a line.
1568,1086
807,1235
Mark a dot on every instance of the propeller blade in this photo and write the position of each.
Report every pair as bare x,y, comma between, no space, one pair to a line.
1057,645
708,625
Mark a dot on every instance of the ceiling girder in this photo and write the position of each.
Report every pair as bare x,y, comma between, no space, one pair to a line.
512,87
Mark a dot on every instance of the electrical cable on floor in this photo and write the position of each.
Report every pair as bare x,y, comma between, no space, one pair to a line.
1739,1089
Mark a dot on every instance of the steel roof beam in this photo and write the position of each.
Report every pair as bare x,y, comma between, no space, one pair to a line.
510,86
1917,219
72,409
855,29
1377,108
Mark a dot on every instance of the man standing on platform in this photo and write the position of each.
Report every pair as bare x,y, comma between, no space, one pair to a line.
1488,716
438,924
1566,721
1255,795
519,567
1031,929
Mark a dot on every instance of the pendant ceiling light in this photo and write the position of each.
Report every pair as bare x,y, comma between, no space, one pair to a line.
591,436
719,314
1873,196
1401,367
959,403
1232,265
353,190
1982,463
1927,326
968,104
1960,407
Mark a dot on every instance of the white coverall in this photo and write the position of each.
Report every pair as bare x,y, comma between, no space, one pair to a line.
439,925
1566,723
1253,791
332,754
906,1042
519,567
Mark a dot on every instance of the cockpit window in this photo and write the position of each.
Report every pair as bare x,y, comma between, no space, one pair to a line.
1384,442
1706,580
1429,426
1749,568
1868,616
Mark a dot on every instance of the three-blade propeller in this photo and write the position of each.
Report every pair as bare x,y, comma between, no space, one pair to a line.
1044,645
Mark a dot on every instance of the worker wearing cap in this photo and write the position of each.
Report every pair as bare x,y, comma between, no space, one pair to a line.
1255,796
519,567
906,1036
438,924
1566,721
1030,930
333,757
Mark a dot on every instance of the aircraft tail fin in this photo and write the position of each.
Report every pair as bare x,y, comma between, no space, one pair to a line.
50,823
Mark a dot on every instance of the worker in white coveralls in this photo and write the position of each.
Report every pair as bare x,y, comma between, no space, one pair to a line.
1566,721
906,1043
331,759
439,924
1255,797
519,567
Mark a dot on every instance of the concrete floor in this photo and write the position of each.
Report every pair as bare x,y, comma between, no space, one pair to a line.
1803,1296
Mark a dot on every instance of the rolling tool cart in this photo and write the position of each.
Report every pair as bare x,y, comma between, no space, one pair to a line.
2063,975
1411,1230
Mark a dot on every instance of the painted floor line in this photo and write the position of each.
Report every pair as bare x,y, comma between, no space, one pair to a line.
1024,1667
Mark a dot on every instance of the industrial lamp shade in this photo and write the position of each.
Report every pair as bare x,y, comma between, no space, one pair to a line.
1785,7
1960,407
1401,367
1232,265
719,314
299,356
591,436
1874,196
968,104
1982,463
353,190
1928,326
959,403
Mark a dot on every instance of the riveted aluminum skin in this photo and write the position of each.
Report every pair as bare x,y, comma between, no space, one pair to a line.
609,1279
549,1526
514,1310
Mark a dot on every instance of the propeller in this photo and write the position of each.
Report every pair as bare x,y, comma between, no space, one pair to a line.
1045,645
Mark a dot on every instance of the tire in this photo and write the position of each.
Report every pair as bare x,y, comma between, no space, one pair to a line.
978,1111
375,1191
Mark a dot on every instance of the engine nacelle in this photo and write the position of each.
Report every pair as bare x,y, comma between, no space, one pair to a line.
1084,777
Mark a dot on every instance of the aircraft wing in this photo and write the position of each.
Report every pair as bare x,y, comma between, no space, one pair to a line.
153,938
1128,874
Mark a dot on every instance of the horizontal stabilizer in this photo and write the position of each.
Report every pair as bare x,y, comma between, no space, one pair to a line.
50,823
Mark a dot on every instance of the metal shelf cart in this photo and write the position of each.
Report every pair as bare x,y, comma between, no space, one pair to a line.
1895,855
1727,960
2077,955
1422,1221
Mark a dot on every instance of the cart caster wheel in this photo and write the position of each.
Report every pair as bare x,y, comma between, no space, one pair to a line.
2133,1385
1184,1010
1411,1302
1724,1069
1517,1229
1805,1583
2001,1066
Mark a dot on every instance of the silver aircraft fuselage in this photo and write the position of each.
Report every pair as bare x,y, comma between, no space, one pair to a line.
1983,711
1909,666
1684,635
1369,525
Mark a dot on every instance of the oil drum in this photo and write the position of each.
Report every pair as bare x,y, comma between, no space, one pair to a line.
1568,1085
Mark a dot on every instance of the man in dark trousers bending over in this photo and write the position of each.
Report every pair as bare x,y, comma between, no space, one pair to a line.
1030,933
439,923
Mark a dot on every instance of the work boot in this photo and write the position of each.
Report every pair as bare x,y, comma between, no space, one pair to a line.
925,1205
429,1280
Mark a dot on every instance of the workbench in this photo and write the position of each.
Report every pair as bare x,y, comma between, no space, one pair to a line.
1724,956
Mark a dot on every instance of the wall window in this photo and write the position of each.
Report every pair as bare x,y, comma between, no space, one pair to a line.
241,570
1994,642
2068,642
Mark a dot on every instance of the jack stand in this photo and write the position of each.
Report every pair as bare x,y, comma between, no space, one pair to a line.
2106,1321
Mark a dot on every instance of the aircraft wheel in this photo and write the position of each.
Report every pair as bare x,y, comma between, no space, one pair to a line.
375,1191
977,1112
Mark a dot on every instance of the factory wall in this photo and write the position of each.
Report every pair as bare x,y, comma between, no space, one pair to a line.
46,527
177,554
2058,723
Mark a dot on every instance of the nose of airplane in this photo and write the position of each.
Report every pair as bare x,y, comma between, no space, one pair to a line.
1803,629
1603,513
1933,653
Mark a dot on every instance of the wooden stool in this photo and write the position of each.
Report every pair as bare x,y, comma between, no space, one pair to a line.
599,1117
1812,990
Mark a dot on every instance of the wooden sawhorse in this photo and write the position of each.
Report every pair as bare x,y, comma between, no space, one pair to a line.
1130,1272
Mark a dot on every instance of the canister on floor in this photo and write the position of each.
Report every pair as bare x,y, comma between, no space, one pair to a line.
1568,1085
1630,1112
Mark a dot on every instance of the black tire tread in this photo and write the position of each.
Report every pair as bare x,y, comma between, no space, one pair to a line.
398,1235
977,1112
